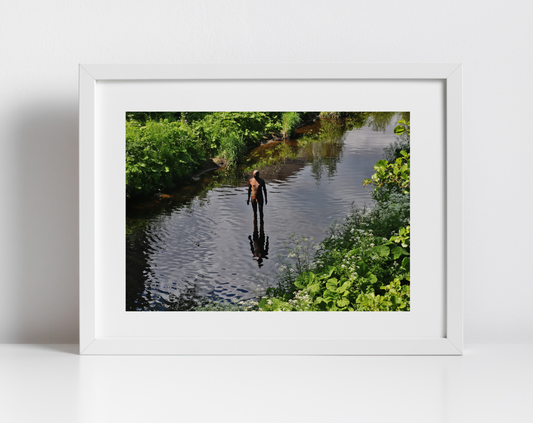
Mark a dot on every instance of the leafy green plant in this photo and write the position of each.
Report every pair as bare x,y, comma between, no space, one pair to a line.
395,298
391,176
403,127
343,269
158,154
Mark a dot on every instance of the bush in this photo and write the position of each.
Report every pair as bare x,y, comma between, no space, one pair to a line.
158,154
391,177
358,271
251,126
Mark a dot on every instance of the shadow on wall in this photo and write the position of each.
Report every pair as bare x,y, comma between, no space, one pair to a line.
43,305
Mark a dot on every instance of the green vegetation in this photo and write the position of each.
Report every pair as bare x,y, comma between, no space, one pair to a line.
353,270
289,122
403,127
162,148
158,154
391,176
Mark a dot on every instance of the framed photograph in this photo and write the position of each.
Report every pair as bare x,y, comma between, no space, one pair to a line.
269,209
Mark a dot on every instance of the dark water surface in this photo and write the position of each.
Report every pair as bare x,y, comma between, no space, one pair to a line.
202,240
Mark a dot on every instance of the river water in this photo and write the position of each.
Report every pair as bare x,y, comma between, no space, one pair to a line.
202,240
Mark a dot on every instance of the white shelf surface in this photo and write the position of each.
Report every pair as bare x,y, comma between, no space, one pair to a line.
52,383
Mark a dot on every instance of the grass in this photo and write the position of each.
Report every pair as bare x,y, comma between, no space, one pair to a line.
289,122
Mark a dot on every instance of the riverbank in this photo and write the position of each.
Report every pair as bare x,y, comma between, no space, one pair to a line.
162,152
218,162
164,149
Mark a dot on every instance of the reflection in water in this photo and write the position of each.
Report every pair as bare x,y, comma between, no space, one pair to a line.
258,245
379,121
190,244
324,157
138,270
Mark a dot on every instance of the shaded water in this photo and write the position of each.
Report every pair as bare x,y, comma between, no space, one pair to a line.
202,240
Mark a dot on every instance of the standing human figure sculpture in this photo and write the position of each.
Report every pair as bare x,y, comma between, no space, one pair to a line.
256,188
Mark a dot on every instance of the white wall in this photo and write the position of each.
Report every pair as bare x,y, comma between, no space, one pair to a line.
41,44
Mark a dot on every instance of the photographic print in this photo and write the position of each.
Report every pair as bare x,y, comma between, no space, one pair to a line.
267,211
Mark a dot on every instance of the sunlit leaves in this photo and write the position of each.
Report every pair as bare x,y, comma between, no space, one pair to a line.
390,177
403,127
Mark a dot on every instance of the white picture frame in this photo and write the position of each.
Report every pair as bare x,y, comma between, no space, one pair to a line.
106,331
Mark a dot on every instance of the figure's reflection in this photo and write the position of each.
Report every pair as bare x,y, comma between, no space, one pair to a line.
258,244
